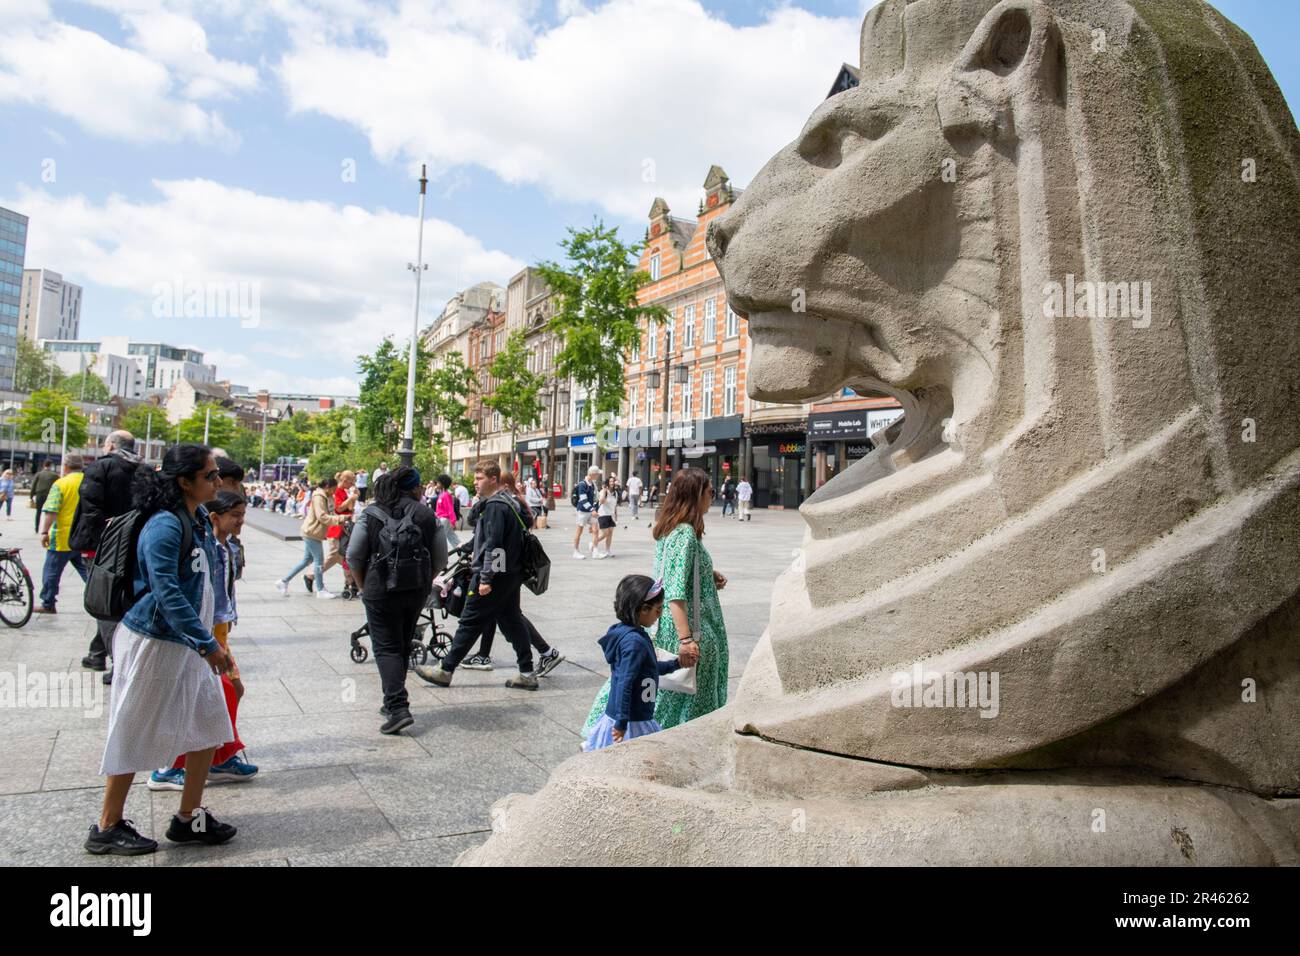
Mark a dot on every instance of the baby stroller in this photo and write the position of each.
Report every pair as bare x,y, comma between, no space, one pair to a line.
436,610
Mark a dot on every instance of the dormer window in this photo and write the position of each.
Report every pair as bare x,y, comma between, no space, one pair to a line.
654,266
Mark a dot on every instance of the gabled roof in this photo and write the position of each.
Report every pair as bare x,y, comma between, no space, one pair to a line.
717,176
659,208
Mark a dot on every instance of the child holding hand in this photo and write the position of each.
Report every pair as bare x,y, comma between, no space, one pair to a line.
634,667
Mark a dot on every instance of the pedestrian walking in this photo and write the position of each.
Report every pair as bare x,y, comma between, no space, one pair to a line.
226,512
634,667
319,519
548,658
104,494
728,497
7,493
606,518
41,485
462,506
533,497
56,530
445,511
167,697
396,549
345,500
744,498
496,577
363,484
584,502
634,497
686,569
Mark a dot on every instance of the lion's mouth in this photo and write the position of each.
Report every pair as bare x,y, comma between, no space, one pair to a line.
800,356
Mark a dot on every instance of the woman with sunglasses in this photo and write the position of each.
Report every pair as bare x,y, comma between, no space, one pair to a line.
167,696
679,551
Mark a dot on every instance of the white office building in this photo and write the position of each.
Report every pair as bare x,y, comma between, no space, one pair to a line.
50,307
131,369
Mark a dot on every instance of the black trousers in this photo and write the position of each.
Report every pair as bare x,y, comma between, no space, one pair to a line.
484,612
101,645
392,628
40,503
534,639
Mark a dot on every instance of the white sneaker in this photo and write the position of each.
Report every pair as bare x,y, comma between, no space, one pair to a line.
325,595
599,555
579,556
282,587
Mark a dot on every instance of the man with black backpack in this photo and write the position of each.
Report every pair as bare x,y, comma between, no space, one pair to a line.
583,500
105,494
497,575
395,550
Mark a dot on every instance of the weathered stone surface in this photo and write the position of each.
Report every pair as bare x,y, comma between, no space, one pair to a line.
1065,235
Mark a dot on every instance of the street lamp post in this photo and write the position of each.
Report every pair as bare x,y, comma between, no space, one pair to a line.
679,375
207,422
407,452
555,398
261,464
148,436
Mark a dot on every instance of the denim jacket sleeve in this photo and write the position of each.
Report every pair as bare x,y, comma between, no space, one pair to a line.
161,543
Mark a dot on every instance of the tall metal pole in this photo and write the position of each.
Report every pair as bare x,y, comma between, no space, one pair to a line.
148,437
207,422
261,465
64,453
407,452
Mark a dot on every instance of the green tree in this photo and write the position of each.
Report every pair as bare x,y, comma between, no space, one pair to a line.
220,427
597,316
87,387
41,419
516,395
454,383
383,396
35,368
245,447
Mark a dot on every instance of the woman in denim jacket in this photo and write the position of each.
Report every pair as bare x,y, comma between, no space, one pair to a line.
167,696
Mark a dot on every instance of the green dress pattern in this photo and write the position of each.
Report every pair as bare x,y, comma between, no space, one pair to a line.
674,556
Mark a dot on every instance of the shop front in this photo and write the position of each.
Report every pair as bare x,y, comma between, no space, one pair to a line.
838,438
531,456
712,444
777,472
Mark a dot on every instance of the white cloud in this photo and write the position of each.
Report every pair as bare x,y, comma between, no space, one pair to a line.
107,89
330,280
181,44
580,107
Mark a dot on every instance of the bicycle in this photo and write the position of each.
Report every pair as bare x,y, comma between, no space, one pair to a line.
16,592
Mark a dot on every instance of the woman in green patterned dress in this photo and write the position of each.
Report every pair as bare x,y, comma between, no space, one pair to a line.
677,532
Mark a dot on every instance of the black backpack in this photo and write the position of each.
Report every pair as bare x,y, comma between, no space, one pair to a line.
399,546
536,562
110,586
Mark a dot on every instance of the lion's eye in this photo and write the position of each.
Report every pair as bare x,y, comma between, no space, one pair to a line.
837,136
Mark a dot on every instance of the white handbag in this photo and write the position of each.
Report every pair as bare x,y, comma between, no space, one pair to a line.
682,680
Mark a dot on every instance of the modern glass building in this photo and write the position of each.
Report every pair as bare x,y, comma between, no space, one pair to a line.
13,253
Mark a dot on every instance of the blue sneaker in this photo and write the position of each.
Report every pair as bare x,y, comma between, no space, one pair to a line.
167,779
233,770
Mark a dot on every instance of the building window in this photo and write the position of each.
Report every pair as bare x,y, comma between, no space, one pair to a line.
710,320
688,327
652,340
706,394
636,346
649,405
496,421
635,406
733,324
669,336
654,267
729,390
688,401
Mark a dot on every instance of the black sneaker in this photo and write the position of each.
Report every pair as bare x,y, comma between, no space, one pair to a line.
107,678
477,663
203,827
308,583
121,839
397,722
548,662
94,662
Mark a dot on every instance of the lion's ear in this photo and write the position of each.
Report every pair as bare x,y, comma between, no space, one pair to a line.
1011,65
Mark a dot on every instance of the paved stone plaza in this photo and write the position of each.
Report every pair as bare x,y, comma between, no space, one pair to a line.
331,789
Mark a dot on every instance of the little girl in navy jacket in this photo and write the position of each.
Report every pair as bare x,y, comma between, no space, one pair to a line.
634,668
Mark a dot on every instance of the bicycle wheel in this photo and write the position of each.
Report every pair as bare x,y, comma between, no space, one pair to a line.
15,592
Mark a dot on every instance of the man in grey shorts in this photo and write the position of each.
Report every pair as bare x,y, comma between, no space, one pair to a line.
585,502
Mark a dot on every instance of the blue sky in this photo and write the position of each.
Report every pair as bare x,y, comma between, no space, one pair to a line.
156,142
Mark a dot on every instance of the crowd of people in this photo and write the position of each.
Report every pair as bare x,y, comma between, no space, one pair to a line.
176,688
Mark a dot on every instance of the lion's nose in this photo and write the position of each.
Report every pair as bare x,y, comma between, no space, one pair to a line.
717,237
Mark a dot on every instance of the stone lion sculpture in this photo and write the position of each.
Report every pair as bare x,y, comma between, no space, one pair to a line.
1055,616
